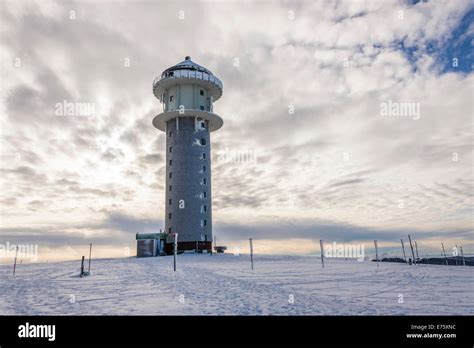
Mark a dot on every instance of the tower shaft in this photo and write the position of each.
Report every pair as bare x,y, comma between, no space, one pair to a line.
188,181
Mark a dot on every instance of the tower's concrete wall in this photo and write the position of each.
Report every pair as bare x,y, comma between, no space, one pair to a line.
188,180
190,96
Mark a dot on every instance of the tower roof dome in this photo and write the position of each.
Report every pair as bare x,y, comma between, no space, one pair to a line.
188,64
187,71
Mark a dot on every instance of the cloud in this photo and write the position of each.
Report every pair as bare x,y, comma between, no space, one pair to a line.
129,224
325,230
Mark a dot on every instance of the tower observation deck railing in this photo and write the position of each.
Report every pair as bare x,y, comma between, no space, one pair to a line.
187,73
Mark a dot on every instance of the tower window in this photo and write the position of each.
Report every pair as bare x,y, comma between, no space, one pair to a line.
170,188
204,194
205,222
171,175
204,181
203,141
203,169
171,162
169,201
204,208
169,216
201,92
171,98
171,134
169,230
203,125
201,107
203,155
171,149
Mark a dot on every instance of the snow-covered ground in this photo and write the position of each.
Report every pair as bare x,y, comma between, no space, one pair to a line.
225,284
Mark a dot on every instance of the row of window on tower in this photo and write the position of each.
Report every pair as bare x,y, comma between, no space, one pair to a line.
171,215
203,157
203,224
204,168
201,92
203,221
202,142
203,182
203,195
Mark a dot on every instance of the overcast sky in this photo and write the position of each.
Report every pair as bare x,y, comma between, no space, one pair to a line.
311,90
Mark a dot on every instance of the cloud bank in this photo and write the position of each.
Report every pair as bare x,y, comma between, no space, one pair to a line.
305,152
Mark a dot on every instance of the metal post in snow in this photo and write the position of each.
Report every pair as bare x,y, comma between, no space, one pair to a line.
416,247
444,252
82,267
16,256
175,247
462,254
376,252
321,245
251,252
412,252
456,256
403,248
90,253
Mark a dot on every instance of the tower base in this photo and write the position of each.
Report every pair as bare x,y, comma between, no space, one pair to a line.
188,246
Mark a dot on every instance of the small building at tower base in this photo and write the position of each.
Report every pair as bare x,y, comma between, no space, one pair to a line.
151,244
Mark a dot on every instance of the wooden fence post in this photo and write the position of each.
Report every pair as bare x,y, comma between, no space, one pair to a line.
444,252
175,247
412,252
251,252
376,252
321,246
82,267
403,248
457,255
462,254
14,264
90,254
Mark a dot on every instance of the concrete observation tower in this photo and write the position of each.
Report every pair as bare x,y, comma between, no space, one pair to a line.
187,92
